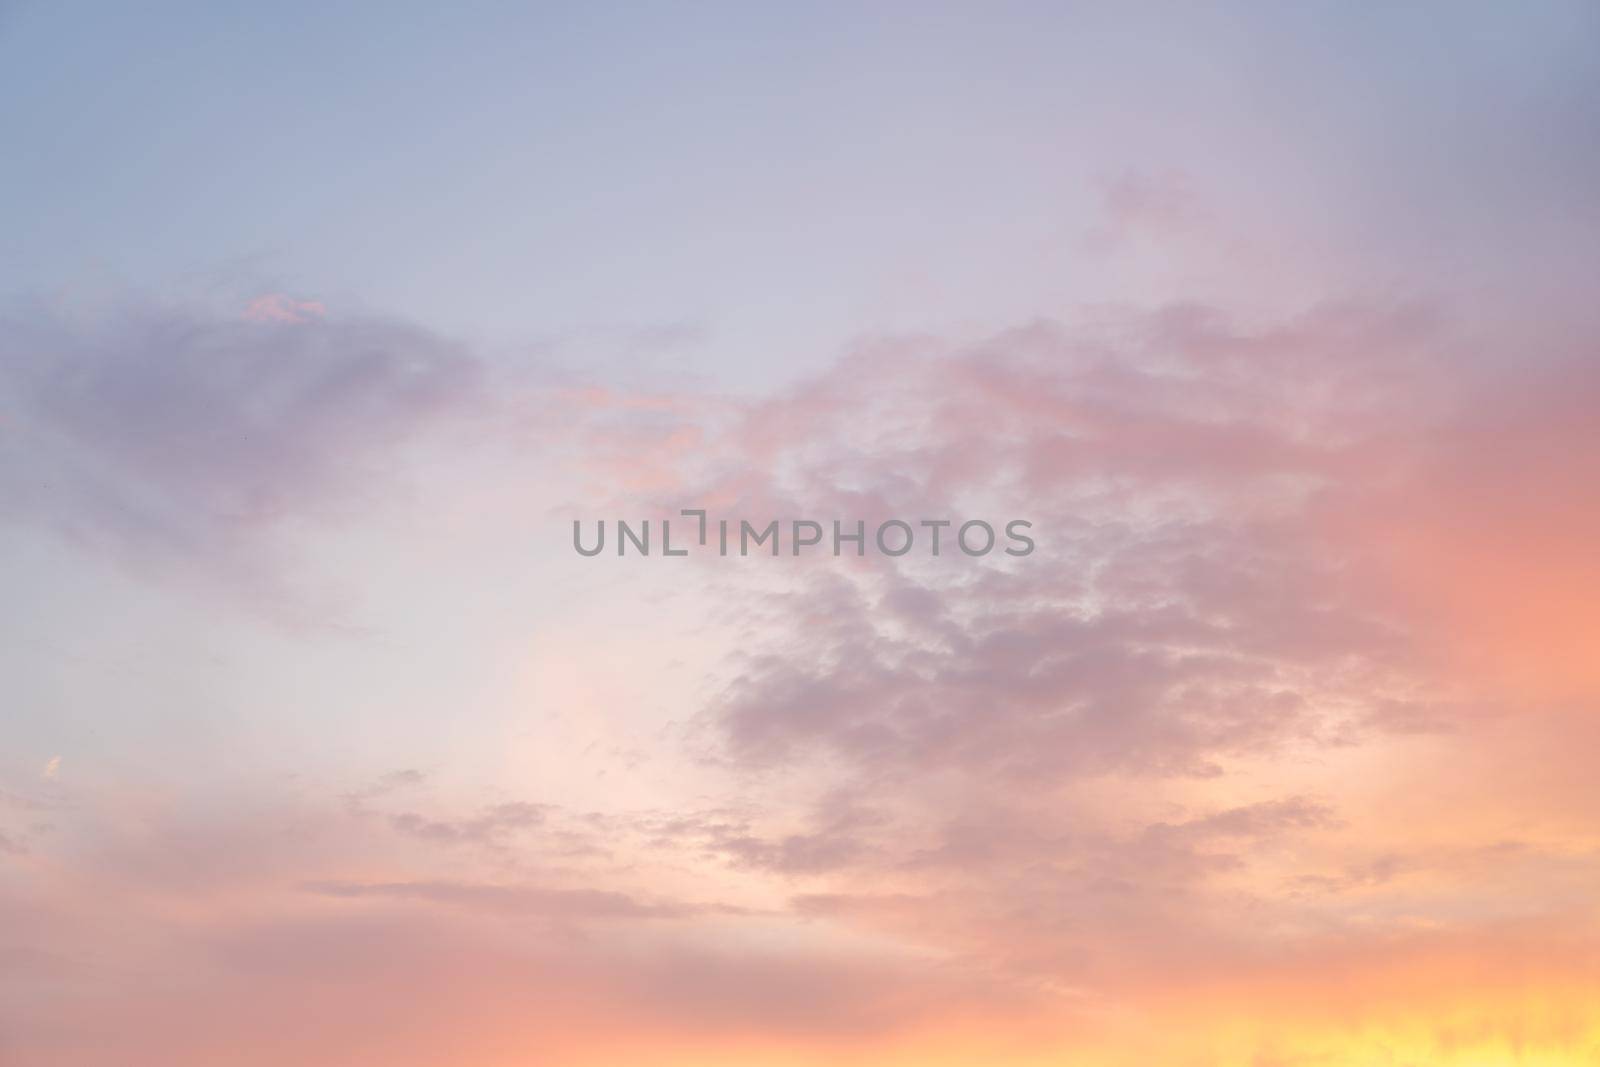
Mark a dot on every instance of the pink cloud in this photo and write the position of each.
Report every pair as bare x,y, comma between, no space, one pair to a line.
276,307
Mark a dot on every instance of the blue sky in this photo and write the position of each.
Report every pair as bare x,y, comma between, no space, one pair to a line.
769,182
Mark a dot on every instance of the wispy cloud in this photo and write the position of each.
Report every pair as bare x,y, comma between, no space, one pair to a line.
177,438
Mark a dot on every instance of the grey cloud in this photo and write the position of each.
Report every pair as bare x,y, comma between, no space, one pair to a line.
177,438
1183,606
1194,603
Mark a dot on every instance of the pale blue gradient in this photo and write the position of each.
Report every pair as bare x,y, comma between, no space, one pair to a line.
766,183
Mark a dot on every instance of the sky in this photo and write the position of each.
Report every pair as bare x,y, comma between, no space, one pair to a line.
320,325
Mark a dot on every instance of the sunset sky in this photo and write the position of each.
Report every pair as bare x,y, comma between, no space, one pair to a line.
320,324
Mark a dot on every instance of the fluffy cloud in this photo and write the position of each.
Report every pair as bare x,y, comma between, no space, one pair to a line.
1086,767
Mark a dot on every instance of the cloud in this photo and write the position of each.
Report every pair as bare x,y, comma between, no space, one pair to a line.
1254,541
1096,781
519,900
270,911
385,785
1183,606
840,836
276,307
490,826
180,440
